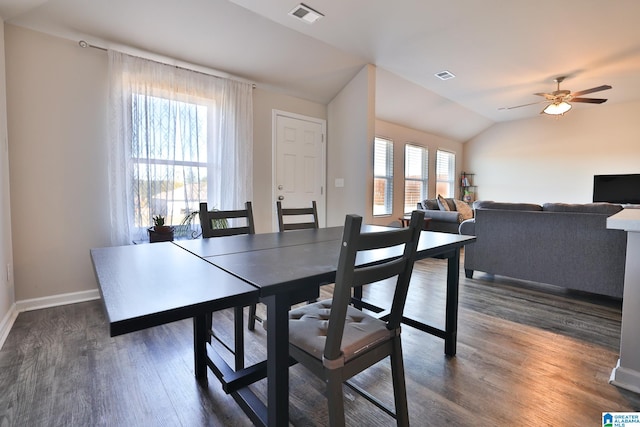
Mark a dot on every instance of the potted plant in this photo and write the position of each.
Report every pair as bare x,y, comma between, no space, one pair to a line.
160,232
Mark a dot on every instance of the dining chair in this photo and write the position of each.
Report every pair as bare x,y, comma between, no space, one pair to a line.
336,341
216,223
310,213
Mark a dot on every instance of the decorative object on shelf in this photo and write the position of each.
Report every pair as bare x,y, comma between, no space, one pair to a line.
160,232
467,188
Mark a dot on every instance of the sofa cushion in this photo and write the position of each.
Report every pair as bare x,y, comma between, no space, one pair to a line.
465,210
489,204
593,208
446,204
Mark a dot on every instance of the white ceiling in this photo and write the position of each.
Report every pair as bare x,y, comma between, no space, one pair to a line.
501,51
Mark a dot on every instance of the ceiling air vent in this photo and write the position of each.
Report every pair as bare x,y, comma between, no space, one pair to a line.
305,13
445,75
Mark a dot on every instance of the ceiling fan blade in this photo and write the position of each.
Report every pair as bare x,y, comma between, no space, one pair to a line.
589,100
593,89
518,106
548,96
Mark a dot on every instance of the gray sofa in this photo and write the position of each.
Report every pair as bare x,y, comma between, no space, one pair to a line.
441,220
566,245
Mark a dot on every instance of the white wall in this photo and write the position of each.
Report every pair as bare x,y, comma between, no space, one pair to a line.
264,102
547,159
400,136
56,94
57,100
7,297
351,126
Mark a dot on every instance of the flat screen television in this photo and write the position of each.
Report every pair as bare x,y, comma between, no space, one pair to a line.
624,189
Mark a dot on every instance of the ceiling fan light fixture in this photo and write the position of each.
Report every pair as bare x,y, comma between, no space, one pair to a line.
557,108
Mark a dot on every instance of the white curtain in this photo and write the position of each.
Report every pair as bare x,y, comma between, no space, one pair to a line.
177,137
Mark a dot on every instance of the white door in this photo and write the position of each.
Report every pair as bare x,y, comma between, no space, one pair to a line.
299,157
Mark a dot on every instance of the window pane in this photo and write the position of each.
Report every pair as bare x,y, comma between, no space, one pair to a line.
416,176
414,161
169,154
445,171
383,177
380,190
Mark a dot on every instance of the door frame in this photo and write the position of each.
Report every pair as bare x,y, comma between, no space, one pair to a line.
322,202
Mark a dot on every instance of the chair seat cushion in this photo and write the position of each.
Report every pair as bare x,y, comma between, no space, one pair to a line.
308,330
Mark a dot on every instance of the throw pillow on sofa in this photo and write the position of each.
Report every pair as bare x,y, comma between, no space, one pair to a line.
431,204
465,210
446,204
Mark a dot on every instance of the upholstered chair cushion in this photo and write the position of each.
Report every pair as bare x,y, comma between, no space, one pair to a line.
308,329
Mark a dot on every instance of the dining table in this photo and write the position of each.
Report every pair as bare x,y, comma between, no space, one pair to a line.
272,268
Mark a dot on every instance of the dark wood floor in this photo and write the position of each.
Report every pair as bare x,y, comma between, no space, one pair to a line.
527,356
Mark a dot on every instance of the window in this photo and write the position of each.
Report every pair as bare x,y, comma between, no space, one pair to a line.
169,155
445,173
382,177
177,138
416,173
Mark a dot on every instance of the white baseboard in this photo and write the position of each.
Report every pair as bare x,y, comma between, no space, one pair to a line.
56,300
39,303
626,378
7,323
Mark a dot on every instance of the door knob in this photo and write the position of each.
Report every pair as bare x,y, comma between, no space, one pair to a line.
280,197
280,187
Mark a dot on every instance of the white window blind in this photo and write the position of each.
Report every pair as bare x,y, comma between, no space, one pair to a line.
416,173
382,177
445,173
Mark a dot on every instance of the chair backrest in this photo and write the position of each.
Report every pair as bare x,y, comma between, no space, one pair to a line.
207,219
297,212
349,275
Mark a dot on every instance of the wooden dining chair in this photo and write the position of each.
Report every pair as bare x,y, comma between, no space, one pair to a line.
310,214
299,215
336,341
216,223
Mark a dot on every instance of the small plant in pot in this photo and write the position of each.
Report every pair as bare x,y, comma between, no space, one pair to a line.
160,232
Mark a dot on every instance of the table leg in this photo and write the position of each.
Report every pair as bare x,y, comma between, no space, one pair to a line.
200,347
451,315
278,359
238,339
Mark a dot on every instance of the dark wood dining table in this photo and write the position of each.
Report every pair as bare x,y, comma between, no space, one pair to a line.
271,268
150,285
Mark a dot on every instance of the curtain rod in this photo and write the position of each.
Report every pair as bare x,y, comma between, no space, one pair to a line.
83,44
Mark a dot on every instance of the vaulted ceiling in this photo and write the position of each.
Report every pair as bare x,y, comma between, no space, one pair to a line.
501,51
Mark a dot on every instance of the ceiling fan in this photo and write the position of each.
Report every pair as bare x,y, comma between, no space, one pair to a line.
559,99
